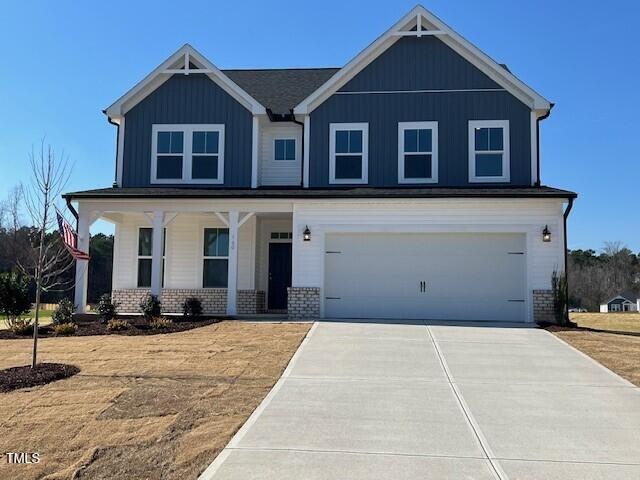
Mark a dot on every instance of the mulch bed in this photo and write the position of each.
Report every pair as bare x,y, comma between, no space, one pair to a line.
25,377
137,326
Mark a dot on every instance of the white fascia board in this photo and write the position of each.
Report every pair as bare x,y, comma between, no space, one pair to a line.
455,41
160,75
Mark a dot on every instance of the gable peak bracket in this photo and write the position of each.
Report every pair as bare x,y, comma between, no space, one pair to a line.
186,70
420,29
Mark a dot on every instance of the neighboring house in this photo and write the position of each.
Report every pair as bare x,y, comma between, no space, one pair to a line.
625,302
384,188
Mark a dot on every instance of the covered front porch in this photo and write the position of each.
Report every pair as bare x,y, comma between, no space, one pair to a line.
235,257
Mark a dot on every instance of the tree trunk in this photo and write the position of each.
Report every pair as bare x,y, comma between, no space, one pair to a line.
34,355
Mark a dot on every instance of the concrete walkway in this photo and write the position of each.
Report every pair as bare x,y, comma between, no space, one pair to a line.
370,400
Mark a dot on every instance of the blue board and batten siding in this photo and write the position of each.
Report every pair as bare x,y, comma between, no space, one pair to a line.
420,64
188,99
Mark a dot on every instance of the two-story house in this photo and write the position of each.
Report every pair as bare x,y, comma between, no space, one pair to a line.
405,184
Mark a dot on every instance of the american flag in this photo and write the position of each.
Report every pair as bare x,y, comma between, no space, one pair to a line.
70,238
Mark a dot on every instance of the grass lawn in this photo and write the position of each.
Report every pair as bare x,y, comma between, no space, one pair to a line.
152,407
619,352
617,322
43,319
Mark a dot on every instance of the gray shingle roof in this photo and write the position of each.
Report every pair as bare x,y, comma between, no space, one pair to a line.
334,192
280,89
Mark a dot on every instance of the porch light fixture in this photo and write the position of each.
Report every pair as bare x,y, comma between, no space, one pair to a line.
306,235
546,234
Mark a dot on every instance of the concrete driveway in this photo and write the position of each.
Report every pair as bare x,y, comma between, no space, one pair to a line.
371,400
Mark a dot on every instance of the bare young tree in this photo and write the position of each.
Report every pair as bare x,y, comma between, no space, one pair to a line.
47,259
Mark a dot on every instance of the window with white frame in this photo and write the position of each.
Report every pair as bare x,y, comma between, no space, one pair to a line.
348,152
187,154
215,258
417,152
489,151
284,149
145,252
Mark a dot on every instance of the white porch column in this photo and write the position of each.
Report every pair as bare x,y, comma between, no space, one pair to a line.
156,253
82,266
232,286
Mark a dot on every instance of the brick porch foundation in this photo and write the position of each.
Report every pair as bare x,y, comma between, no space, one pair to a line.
214,300
303,303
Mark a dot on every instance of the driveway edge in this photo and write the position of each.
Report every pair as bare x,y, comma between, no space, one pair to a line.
213,467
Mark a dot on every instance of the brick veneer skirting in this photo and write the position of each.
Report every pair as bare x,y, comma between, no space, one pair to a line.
214,300
303,303
250,302
128,299
543,310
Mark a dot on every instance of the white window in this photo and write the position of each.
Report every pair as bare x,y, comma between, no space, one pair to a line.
417,152
489,151
187,154
284,149
215,258
348,153
145,249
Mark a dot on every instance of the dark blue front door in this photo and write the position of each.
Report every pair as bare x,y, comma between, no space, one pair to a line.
279,275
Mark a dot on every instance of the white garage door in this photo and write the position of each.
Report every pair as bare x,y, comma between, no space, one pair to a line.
425,276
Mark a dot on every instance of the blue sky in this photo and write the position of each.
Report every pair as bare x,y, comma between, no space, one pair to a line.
63,62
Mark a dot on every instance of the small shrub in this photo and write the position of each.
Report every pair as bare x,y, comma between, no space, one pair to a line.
21,327
116,325
63,312
192,307
14,296
161,323
106,308
65,328
150,307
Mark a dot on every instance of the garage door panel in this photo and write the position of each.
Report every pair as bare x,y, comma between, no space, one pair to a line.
467,276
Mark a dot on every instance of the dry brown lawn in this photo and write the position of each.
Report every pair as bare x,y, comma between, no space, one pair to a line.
621,322
150,407
619,352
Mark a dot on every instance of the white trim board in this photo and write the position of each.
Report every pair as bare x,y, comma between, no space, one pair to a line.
422,17
169,67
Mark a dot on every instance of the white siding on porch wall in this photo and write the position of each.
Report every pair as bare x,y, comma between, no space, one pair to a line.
527,216
184,249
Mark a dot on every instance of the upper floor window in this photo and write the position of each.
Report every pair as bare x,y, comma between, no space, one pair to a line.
187,154
348,152
417,152
489,151
284,149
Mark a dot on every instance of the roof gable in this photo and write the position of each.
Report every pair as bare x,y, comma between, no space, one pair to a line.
187,60
419,22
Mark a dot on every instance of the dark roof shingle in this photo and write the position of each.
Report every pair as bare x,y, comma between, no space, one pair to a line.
334,192
280,89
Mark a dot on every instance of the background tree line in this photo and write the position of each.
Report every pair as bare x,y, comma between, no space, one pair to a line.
595,278
14,235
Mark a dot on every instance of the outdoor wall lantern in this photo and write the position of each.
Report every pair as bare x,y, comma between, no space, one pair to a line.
306,235
546,234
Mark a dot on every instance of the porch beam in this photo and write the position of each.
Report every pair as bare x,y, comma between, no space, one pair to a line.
232,273
222,218
168,218
156,253
245,218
